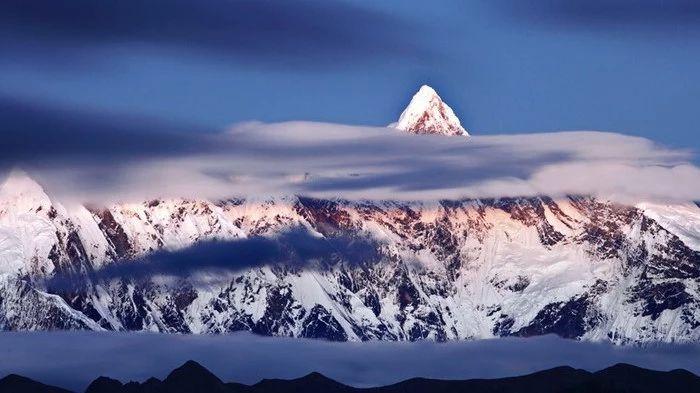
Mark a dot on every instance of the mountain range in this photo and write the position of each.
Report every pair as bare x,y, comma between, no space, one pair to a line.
192,377
578,266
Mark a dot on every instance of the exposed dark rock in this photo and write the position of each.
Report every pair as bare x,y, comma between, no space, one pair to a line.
278,314
372,301
520,284
503,325
321,324
114,232
568,319
326,215
656,298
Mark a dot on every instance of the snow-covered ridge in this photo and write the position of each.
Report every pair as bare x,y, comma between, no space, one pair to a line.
428,114
578,267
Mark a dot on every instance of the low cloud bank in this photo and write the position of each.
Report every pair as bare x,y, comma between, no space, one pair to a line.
331,160
79,357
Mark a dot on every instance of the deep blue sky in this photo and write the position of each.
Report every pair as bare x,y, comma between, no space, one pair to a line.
505,66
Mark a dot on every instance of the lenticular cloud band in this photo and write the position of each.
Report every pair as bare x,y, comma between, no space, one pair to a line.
330,160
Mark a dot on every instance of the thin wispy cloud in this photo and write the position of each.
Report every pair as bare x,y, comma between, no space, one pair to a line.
338,161
102,158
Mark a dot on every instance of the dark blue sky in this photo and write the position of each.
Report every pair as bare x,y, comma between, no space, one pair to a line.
505,66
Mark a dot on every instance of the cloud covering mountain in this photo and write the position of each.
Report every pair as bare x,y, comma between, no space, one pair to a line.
103,157
332,160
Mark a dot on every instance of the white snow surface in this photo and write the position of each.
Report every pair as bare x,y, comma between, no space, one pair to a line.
428,114
683,220
583,268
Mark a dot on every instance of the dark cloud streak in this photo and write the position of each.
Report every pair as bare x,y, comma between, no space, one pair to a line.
295,247
608,14
421,173
267,33
38,134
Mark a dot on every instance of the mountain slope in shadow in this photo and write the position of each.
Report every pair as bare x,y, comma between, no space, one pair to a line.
20,384
192,377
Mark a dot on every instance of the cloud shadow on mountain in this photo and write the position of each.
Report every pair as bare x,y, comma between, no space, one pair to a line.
296,247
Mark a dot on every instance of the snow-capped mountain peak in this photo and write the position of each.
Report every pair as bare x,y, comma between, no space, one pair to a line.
20,188
18,181
580,267
428,114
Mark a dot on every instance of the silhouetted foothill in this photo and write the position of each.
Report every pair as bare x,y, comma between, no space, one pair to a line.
192,377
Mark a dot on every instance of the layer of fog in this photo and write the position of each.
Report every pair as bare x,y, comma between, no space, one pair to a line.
330,160
73,359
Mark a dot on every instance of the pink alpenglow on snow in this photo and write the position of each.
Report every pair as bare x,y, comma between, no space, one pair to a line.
428,114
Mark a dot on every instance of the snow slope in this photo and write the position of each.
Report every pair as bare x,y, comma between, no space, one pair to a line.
428,114
579,267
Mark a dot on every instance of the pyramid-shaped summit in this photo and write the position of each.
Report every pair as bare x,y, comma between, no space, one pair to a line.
428,114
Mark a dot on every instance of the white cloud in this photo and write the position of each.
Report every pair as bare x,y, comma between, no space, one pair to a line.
331,160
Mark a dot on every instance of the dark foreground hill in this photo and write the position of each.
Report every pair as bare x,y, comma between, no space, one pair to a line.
192,377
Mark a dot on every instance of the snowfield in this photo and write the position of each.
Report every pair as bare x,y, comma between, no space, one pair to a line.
579,267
